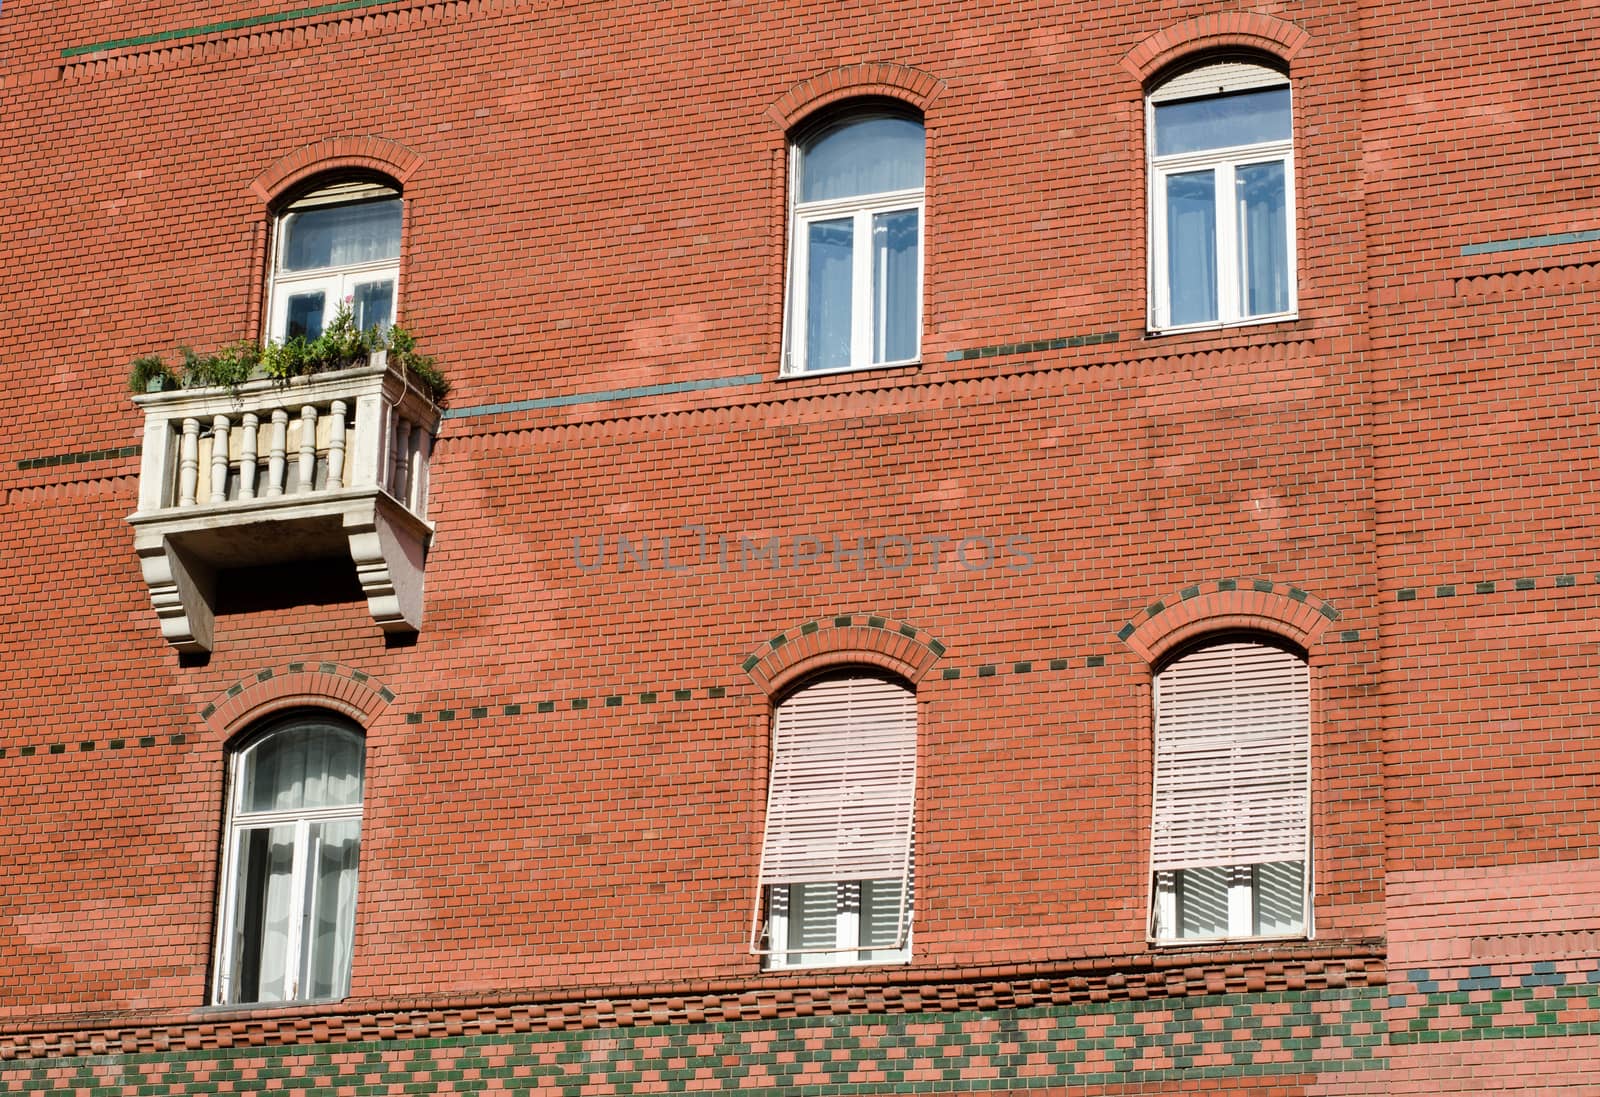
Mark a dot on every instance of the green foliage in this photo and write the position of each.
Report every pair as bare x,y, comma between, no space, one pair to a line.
340,346
150,373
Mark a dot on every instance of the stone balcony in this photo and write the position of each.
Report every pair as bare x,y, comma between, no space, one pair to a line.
334,464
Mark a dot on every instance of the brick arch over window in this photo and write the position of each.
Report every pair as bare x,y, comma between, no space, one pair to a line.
845,640
1229,30
1258,606
342,689
879,78
333,154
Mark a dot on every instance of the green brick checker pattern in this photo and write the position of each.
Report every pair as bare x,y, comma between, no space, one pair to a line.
1216,1036
1477,587
1495,1003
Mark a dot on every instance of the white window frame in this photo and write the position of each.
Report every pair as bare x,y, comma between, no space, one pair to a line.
239,822
1293,844
840,811
861,209
337,283
1207,82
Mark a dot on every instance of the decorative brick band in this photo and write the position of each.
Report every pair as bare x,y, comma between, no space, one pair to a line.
842,640
1529,1000
83,746
1255,605
1491,586
374,153
1034,346
296,28
1555,278
1164,992
1235,29
85,457
881,78
329,685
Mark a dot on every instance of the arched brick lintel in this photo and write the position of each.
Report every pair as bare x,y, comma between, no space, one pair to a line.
854,82
842,641
330,154
1286,612
299,685
1235,29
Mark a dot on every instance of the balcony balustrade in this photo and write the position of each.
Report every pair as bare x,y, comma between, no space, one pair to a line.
335,464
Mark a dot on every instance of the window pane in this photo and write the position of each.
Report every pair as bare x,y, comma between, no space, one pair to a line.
373,304
262,913
895,264
813,919
1280,897
1192,247
1203,902
310,766
1223,121
330,908
867,156
880,921
305,315
829,256
1263,238
338,236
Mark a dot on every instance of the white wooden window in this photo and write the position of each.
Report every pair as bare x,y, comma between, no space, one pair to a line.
338,245
1230,841
835,880
1222,210
286,915
855,244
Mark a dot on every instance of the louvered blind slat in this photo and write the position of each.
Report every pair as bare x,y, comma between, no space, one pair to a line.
841,798
1232,759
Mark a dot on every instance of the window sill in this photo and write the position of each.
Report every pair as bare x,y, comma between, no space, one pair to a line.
1221,326
876,367
239,1009
1171,943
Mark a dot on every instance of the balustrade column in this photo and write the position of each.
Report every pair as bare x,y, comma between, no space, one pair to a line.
308,448
247,456
189,463
336,446
219,459
279,453
399,482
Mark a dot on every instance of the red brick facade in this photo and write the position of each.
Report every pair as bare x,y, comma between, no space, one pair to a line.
645,533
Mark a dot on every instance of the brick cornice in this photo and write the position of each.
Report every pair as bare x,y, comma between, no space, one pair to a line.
1307,967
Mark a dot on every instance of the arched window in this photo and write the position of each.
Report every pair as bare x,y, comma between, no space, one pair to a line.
1222,239
287,914
836,855
337,245
1230,843
855,273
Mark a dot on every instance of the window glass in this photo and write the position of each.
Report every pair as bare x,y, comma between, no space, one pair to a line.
338,236
863,156
287,916
855,279
1222,121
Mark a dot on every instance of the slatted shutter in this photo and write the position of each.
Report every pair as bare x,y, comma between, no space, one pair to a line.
1232,759
843,789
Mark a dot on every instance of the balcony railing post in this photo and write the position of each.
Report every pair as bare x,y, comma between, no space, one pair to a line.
219,459
402,454
247,456
308,449
189,463
368,451
336,445
279,453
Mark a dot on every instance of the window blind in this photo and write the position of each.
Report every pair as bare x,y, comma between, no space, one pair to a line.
842,794
1232,759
